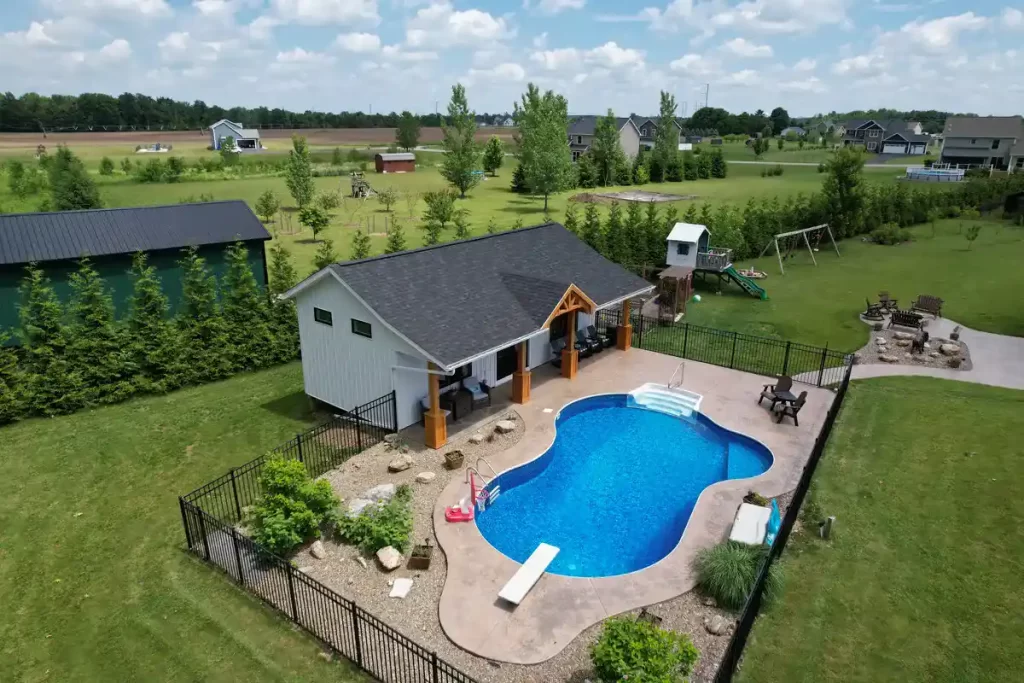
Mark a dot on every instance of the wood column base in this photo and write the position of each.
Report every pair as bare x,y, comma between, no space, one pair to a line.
570,360
521,386
436,431
624,337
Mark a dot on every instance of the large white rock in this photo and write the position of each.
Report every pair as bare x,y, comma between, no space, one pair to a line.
401,463
389,558
504,426
425,477
881,341
716,625
318,550
950,349
903,335
476,438
379,492
888,358
400,588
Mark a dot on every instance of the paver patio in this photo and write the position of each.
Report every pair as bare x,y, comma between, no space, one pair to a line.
560,607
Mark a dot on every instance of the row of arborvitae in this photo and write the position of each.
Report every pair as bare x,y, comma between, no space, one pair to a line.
79,355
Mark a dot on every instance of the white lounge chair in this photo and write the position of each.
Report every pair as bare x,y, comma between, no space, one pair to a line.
524,579
750,525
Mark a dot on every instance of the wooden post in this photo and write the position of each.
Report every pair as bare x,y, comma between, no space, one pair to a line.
570,356
624,334
521,377
434,426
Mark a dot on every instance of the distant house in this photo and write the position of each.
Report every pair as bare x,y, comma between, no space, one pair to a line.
509,122
793,130
110,238
581,135
884,136
648,128
984,140
395,162
245,138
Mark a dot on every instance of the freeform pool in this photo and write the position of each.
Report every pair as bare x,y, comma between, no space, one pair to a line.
616,488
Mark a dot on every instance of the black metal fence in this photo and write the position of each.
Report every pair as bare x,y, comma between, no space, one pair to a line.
815,365
210,515
727,669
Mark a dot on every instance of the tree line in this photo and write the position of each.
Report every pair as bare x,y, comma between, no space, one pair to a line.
78,355
718,121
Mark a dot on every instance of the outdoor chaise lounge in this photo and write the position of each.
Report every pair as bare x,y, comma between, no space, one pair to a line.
606,341
905,319
592,345
528,574
928,304
772,391
750,525
480,391
791,409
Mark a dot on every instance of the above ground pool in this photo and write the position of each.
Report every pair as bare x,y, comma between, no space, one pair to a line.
616,488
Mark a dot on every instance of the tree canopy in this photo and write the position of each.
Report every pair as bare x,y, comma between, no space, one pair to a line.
543,150
461,151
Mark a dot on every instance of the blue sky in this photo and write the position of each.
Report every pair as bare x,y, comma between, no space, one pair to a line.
806,55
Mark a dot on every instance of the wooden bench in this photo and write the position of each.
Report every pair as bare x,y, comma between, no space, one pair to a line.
905,319
928,304
529,574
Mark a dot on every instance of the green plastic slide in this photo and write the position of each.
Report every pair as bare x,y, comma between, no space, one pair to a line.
747,283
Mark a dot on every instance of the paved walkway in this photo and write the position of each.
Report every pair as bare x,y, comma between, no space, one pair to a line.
998,359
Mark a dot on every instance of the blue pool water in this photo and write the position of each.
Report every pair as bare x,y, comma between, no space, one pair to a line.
615,490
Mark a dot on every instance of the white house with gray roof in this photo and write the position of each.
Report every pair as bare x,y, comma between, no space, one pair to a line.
581,135
984,141
245,138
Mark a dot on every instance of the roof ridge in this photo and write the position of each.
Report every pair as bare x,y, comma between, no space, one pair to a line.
122,208
418,250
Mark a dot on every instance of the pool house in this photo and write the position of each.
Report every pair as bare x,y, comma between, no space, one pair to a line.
442,326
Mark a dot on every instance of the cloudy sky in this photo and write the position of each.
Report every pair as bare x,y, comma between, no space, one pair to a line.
807,55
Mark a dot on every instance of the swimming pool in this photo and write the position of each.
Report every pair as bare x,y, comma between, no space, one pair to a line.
615,490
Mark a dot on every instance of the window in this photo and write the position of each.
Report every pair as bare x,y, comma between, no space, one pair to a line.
873,134
576,155
682,248
322,316
361,328
579,139
995,144
871,145
643,132
974,141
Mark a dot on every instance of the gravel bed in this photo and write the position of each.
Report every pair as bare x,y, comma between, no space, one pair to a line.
899,349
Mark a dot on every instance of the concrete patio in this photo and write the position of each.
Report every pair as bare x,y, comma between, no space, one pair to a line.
560,607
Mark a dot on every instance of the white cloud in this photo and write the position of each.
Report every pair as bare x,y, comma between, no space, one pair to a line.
611,56
175,46
117,50
399,54
260,28
183,48
322,12
214,7
695,65
440,25
556,6
558,59
742,77
299,61
744,48
940,34
758,16
145,9
858,64
358,42
805,64
34,36
541,41
508,72
1013,18
812,85
607,56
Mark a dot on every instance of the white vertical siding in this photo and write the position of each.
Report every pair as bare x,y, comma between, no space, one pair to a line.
540,349
486,369
410,388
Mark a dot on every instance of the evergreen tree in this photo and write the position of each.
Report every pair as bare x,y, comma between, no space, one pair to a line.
591,232
706,218
492,226
691,214
461,224
461,152
704,162
431,233
12,382
668,222
666,136
284,324
728,234
623,171
689,166
519,180
606,148
572,218
325,255
71,188
653,236
106,166
152,342
53,386
205,353
635,252
299,173
245,313
494,155
396,239
586,172
719,167
615,235
360,245
674,168
96,349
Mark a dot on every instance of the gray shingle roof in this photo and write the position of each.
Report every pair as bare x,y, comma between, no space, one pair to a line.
463,298
585,125
62,235
984,127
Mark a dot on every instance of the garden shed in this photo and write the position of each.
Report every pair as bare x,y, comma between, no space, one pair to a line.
395,162
110,238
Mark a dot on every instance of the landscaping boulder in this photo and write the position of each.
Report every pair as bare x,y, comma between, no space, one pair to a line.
903,342
476,438
425,477
709,601
716,625
504,426
392,440
950,349
401,463
888,358
318,550
934,354
378,494
400,588
903,335
881,341
389,558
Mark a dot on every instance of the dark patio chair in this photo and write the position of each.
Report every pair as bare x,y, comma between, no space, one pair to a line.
791,409
873,311
771,391
582,347
592,345
928,304
606,341
557,346
480,392
886,302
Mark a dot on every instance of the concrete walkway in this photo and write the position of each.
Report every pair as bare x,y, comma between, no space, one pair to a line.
998,359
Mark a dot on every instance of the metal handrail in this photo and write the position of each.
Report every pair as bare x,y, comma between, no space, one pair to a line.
476,467
679,369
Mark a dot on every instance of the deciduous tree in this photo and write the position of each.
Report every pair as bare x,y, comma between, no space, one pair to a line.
106,166
461,221
843,191
299,172
461,152
407,134
440,207
494,155
605,148
543,153
666,137
388,197
267,205
315,218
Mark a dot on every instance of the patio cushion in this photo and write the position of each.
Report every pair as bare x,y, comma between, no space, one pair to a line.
472,385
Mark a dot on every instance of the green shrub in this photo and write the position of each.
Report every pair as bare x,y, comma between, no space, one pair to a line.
890,233
106,166
727,572
821,167
755,498
640,652
379,526
293,506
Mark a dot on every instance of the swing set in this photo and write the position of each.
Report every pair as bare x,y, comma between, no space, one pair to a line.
792,240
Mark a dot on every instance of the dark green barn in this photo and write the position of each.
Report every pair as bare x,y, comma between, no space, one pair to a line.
110,237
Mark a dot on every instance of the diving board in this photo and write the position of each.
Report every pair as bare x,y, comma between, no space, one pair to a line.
529,574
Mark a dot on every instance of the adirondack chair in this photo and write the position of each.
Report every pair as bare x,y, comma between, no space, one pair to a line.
791,409
874,311
905,319
771,391
927,303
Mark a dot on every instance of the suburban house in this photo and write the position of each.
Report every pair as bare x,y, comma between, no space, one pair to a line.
395,162
581,135
245,138
508,122
430,324
793,130
110,238
984,140
885,136
648,128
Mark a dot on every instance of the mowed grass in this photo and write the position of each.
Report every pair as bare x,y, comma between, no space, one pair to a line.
94,582
791,152
921,581
819,304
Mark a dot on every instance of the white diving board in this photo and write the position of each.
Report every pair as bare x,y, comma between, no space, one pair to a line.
750,525
528,575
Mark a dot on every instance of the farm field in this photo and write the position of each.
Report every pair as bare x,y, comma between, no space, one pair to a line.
94,580
739,151
921,580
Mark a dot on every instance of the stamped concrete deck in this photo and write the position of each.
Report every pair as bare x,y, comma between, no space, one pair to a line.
560,607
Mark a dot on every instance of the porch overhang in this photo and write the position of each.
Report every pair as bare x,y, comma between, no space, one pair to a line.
573,300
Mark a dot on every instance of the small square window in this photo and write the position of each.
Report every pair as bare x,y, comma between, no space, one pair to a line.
995,144
974,141
682,248
363,329
322,316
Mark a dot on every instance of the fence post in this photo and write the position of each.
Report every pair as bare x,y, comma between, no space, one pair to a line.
686,337
291,592
184,521
238,556
433,664
202,530
355,630
785,361
732,358
298,442
359,431
821,370
394,411
234,489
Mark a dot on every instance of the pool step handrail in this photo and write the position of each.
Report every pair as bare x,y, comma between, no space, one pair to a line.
483,496
483,460
680,371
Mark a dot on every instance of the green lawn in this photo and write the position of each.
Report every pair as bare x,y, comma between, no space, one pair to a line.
791,152
819,305
922,579
94,583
